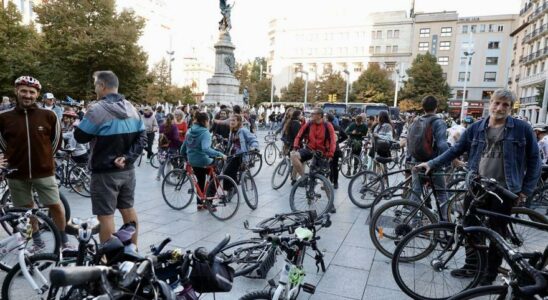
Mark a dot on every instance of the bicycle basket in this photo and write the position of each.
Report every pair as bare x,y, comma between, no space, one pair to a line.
213,277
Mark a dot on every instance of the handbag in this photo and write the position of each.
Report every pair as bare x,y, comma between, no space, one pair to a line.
207,277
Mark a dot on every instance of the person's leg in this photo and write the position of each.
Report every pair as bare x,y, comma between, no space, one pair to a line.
296,162
150,142
441,196
104,193
126,200
417,187
231,169
106,228
48,194
200,174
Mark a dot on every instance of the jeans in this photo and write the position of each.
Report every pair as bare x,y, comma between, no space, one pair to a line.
150,142
439,184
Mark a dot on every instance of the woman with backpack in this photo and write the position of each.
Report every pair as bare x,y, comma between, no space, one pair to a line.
383,135
168,143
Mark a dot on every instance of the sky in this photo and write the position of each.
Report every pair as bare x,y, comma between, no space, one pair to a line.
194,23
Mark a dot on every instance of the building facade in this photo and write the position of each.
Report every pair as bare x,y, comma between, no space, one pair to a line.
25,7
196,71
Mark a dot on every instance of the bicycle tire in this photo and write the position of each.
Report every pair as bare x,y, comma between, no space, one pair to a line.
48,259
246,256
270,154
399,231
365,184
249,190
492,290
258,295
154,162
223,198
183,188
257,164
46,225
405,268
528,238
281,171
350,166
82,181
393,193
311,204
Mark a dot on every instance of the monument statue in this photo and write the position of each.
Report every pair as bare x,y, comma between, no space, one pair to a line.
225,24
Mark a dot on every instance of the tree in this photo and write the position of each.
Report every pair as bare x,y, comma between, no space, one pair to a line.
294,92
19,54
250,77
81,37
426,78
374,85
160,90
332,83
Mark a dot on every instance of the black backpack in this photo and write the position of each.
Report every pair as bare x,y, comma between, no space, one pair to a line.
420,138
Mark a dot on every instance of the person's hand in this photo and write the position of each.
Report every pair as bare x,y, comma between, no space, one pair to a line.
223,157
3,161
457,163
422,166
354,132
120,162
521,199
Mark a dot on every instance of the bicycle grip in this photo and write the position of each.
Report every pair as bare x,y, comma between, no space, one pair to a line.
538,286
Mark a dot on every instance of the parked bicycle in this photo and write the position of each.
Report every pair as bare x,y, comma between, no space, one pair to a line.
71,175
271,150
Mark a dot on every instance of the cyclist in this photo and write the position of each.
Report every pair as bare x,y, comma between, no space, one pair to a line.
241,140
29,136
334,164
197,149
499,147
318,136
170,141
542,138
357,131
180,123
80,154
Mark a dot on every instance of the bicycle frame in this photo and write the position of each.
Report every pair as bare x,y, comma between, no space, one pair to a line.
293,273
199,192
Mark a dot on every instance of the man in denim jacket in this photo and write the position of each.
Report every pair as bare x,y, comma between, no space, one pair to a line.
500,147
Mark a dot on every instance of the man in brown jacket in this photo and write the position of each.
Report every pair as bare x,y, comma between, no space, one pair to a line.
29,136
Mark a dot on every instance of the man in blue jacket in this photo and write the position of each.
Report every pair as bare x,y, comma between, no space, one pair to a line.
117,135
503,148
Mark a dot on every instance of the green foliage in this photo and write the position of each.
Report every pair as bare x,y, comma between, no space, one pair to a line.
249,75
19,53
374,85
80,37
159,89
425,77
294,92
332,83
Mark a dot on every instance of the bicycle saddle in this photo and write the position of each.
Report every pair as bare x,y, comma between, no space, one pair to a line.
383,160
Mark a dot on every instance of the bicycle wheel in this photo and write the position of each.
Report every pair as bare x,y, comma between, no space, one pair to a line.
350,166
154,162
528,239
248,255
312,193
270,153
226,200
255,164
7,203
258,295
280,174
393,193
393,220
425,259
79,181
364,187
249,190
395,154
16,286
539,200
177,189
49,234
455,207
492,292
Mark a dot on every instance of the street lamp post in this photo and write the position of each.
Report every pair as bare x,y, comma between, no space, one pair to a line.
305,87
398,79
347,87
271,88
468,56
171,59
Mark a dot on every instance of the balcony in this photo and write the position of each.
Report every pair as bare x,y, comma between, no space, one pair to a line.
539,32
528,100
533,79
517,78
538,12
525,9
527,59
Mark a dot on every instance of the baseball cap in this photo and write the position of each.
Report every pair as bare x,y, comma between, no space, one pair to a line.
48,96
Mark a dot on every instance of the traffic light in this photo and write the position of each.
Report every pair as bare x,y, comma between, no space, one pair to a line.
334,98
329,98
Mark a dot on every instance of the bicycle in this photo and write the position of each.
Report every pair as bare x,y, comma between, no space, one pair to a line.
220,193
271,150
281,173
72,175
245,179
306,193
350,164
440,248
292,277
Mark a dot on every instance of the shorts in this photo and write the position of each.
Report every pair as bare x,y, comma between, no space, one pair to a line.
111,191
21,191
305,154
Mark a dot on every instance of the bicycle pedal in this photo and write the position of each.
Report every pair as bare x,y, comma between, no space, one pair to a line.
309,288
272,283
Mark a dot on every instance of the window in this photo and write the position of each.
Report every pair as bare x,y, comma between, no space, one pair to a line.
389,34
395,49
491,27
493,45
371,49
464,28
486,95
463,60
388,49
373,34
446,31
396,34
443,60
379,34
424,32
378,49
461,77
542,67
444,75
500,28
492,61
473,28
445,45
535,70
459,94
467,46
490,77
482,27
423,46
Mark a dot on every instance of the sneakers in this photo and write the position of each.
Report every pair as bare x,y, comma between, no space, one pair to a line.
37,247
200,207
467,271
68,249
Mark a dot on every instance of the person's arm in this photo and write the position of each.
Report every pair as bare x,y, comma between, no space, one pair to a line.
342,136
463,145
206,147
138,145
350,128
155,126
250,140
56,138
439,135
333,140
86,130
532,156
297,140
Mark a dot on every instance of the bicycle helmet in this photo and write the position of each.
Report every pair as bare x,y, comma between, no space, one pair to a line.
28,81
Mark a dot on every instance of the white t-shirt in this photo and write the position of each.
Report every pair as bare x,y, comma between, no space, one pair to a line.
453,133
